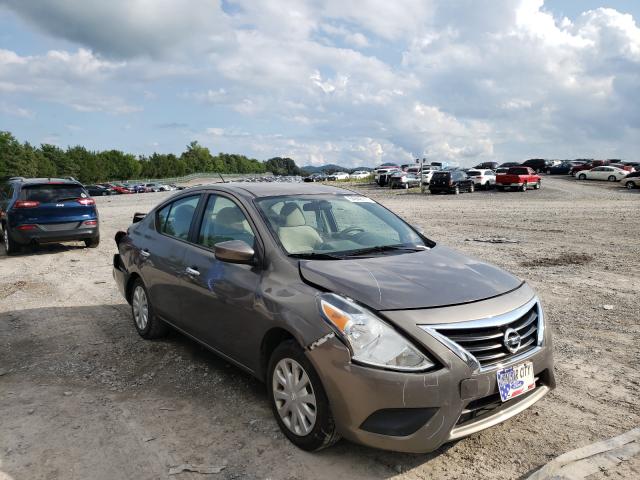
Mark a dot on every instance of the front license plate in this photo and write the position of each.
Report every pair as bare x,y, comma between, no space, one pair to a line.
516,380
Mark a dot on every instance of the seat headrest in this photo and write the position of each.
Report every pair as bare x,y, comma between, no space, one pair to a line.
292,216
230,215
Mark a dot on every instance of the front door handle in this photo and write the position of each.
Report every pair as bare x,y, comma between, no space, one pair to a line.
145,253
192,271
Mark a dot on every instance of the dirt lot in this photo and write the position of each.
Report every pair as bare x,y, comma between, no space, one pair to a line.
83,397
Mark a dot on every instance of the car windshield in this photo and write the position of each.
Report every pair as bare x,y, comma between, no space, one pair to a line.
474,173
51,192
337,226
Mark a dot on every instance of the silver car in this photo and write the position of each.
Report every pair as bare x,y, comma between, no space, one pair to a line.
359,325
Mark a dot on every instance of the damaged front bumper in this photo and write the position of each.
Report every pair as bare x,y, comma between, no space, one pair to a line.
418,412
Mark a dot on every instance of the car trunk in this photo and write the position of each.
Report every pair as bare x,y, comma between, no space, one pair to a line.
55,206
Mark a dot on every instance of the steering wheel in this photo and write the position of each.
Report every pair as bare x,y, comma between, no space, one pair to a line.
350,232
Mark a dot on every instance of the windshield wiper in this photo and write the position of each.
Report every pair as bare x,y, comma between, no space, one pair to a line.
316,256
384,248
66,199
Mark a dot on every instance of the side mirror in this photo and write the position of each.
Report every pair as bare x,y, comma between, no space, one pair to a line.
234,251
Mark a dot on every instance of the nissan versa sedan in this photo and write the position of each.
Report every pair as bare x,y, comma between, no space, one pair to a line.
359,325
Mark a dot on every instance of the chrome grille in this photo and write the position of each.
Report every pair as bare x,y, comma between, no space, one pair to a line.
485,339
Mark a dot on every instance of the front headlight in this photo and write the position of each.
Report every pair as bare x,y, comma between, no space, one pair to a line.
371,340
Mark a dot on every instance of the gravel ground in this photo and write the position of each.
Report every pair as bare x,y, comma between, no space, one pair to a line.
82,396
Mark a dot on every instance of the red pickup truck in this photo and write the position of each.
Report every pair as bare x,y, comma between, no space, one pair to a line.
520,178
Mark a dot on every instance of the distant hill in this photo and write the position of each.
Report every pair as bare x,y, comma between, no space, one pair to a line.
331,168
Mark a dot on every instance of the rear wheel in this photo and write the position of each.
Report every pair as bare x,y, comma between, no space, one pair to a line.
612,178
630,185
298,399
148,325
523,188
536,186
92,242
10,246
582,176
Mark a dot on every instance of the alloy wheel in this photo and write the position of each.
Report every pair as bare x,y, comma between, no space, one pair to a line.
140,308
294,396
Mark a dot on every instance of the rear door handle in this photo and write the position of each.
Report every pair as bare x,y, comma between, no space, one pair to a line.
145,253
192,271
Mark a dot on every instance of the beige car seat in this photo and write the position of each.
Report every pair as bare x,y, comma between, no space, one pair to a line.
296,236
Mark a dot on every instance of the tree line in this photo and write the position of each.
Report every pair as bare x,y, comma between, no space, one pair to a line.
88,166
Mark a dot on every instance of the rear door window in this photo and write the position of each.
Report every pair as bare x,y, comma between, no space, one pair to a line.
175,219
52,193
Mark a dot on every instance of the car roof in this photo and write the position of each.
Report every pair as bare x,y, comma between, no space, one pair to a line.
268,189
36,181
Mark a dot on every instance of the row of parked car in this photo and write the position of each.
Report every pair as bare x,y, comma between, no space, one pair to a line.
323,177
510,175
103,189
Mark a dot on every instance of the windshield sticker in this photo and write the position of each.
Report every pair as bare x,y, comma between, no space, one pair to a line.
358,199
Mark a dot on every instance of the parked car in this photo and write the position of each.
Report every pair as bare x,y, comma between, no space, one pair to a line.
98,190
611,174
510,164
486,166
153,187
139,188
355,321
563,168
119,189
520,178
451,181
538,164
404,180
43,210
338,176
315,177
359,174
484,179
176,187
501,170
622,166
631,181
381,177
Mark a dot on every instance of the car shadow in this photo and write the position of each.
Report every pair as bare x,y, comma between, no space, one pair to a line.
106,355
44,249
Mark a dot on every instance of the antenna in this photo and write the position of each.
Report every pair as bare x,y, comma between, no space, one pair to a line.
222,178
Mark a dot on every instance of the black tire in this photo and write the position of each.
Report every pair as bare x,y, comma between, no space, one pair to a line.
612,178
582,176
537,186
523,188
630,185
324,432
472,188
154,327
456,190
500,188
406,186
92,242
10,246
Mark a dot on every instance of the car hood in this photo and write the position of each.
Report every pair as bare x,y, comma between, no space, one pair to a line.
431,278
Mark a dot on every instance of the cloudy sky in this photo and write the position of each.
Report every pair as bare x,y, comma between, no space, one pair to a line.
355,82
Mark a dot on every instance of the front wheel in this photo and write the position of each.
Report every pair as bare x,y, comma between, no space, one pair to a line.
582,176
298,399
612,178
472,188
630,185
536,186
523,188
148,325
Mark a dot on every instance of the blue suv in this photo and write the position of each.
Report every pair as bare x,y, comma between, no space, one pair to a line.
41,210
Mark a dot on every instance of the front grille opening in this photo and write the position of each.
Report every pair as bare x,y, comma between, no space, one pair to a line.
486,406
487,344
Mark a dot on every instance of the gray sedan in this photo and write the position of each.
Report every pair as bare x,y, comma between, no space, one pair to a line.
359,325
